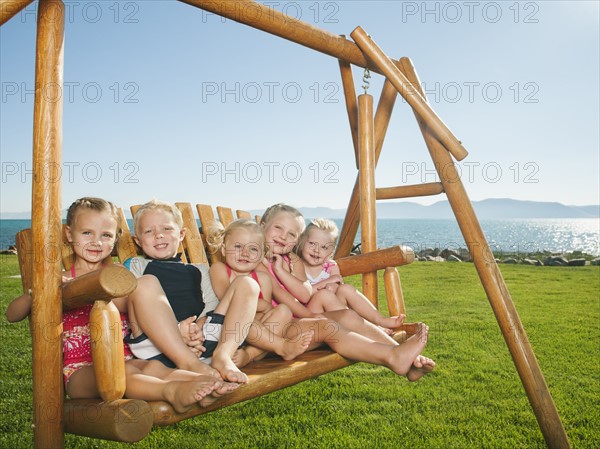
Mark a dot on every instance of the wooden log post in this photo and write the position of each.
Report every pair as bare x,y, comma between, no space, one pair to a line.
366,173
387,100
46,224
494,285
107,350
10,8
410,93
351,106
393,292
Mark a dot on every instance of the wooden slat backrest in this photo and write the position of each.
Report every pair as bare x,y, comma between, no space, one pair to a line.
206,215
225,215
126,247
193,240
243,214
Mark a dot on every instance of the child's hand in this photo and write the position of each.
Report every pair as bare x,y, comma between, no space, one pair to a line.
192,335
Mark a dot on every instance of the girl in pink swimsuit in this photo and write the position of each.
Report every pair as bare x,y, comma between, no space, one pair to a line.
342,329
237,251
92,231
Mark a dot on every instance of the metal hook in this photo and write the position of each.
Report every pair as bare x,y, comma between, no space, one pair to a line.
366,77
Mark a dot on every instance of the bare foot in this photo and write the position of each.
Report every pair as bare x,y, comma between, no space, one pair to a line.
241,358
229,372
293,348
402,356
421,366
183,394
392,322
225,388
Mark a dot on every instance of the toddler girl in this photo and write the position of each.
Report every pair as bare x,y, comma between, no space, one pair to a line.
238,250
343,330
315,247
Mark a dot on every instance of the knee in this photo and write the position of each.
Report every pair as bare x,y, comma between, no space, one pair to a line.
246,285
147,285
282,313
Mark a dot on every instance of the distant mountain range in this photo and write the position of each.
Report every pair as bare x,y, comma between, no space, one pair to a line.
485,209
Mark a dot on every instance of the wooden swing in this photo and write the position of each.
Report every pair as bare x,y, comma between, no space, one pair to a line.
41,250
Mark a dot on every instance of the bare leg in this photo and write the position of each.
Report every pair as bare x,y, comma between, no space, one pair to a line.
358,302
150,380
325,301
82,384
150,313
354,322
239,307
268,335
398,358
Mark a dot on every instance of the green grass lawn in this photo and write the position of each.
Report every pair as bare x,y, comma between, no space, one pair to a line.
474,398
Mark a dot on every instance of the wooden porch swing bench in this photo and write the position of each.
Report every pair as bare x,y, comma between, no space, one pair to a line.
131,420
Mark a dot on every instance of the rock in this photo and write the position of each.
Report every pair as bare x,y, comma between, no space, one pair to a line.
577,263
556,261
529,262
446,253
510,260
435,259
453,258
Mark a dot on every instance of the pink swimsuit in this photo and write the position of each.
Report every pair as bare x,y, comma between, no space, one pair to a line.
252,274
77,341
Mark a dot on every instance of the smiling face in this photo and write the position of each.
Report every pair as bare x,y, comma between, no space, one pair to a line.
242,250
158,234
282,232
318,247
92,235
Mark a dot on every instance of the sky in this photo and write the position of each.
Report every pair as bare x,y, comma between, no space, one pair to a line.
163,100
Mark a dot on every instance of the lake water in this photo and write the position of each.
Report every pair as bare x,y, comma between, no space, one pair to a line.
508,236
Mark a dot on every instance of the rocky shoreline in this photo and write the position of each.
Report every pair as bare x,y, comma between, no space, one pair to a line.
543,258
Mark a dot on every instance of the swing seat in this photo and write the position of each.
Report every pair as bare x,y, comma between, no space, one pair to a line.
130,420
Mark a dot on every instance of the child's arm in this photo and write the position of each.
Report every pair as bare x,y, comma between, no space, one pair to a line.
333,279
219,279
19,308
295,280
284,297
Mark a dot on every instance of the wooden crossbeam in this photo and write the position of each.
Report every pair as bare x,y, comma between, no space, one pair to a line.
10,8
411,191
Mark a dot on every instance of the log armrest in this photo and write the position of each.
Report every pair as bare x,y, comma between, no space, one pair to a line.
113,281
376,260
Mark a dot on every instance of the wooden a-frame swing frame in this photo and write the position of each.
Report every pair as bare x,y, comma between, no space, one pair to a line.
368,133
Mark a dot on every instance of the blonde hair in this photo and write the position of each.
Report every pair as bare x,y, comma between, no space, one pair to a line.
95,204
157,205
324,224
217,234
280,207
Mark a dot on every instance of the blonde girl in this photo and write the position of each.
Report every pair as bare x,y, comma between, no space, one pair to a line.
237,251
315,248
343,329
92,231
